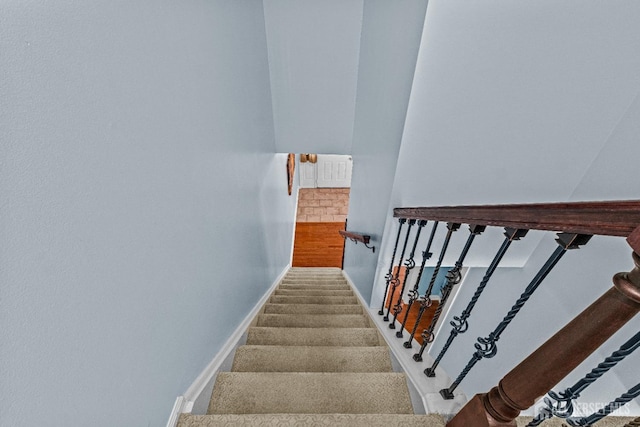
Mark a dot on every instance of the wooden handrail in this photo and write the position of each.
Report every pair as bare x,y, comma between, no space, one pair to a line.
357,237
557,357
609,218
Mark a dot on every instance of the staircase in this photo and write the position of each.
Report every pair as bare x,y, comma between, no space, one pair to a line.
312,358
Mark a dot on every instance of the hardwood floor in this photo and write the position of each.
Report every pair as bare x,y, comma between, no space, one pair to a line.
318,244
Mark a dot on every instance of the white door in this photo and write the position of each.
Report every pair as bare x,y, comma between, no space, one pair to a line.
308,175
334,170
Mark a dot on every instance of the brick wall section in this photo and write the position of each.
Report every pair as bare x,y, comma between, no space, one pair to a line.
323,204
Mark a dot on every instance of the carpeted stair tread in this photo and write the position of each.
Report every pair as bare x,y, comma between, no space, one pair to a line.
313,420
314,273
306,286
305,309
316,393
314,283
316,299
313,320
354,337
314,292
262,358
314,277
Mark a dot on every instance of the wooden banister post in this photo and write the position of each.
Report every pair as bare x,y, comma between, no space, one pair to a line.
560,355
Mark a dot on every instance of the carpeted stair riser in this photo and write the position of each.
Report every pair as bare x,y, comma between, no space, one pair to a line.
353,337
304,393
318,276
304,309
318,299
350,420
310,282
313,292
303,287
315,276
262,358
318,284
312,420
313,321
327,276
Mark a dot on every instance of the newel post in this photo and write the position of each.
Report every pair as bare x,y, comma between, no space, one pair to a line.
560,355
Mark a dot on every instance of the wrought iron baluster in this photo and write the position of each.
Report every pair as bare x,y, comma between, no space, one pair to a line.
409,264
634,423
395,281
611,407
453,278
486,347
426,302
389,275
561,404
460,324
413,294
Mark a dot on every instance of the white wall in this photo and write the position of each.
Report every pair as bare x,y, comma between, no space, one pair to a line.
524,102
139,191
389,47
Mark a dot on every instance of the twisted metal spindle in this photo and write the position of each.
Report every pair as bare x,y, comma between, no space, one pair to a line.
453,278
413,293
561,404
389,274
460,323
611,407
486,347
426,302
395,281
409,264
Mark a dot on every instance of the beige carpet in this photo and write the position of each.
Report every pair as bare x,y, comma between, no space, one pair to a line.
314,358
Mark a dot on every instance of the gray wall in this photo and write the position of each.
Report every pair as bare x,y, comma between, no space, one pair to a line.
143,212
389,46
313,58
523,102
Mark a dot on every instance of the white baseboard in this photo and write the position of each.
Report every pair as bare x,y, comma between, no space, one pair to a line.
178,408
184,403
